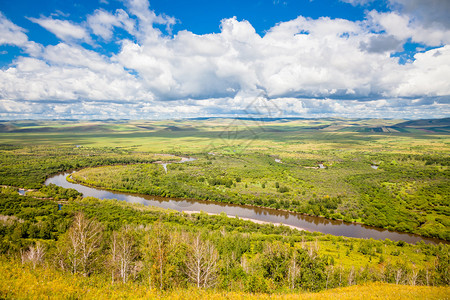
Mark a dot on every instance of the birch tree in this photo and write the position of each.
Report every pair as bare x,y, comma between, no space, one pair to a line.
84,238
413,276
157,251
122,254
293,271
398,275
34,254
201,262
351,276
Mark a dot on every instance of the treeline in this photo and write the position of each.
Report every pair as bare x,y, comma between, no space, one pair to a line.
29,166
55,192
407,193
404,194
167,250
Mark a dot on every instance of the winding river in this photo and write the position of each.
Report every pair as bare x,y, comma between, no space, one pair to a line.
258,214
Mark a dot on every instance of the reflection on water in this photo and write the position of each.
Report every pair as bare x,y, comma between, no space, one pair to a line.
309,223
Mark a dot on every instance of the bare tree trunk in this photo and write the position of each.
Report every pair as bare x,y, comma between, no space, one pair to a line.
330,272
161,259
413,277
201,263
113,257
157,253
398,275
311,252
60,255
34,254
23,256
126,254
293,271
84,238
351,276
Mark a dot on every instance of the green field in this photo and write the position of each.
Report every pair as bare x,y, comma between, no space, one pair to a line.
271,163
236,163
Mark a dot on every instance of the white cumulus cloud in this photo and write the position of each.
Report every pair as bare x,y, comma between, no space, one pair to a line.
303,67
63,29
102,23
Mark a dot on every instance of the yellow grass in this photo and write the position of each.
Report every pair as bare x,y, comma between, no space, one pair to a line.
23,282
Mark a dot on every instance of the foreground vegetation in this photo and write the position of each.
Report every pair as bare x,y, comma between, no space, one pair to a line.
152,249
23,282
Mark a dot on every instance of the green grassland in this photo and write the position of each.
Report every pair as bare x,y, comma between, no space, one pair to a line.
236,163
193,136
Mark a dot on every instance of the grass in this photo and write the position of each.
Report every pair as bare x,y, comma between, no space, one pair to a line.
23,282
401,195
220,134
347,254
346,146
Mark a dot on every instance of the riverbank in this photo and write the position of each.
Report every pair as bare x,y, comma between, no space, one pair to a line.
246,219
309,223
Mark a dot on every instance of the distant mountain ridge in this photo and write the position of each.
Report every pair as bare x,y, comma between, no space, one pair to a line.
363,125
445,122
426,125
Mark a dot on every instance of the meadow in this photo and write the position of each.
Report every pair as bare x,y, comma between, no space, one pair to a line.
377,172
385,173
23,282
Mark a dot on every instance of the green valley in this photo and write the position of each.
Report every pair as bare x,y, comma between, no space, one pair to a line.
383,173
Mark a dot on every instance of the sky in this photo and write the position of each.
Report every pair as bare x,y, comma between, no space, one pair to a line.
162,59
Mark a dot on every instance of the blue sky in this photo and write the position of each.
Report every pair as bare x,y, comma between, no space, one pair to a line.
169,58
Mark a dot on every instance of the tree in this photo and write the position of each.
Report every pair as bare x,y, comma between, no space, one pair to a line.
161,256
351,276
294,270
84,238
413,276
34,254
442,265
312,276
201,262
274,261
122,253
398,275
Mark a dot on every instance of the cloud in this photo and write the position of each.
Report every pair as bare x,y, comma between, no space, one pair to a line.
427,75
307,67
102,23
64,30
402,27
11,34
147,18
423,21
431,13
358,2
66,74
382,43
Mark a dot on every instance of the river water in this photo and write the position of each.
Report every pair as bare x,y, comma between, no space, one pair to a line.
309,223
